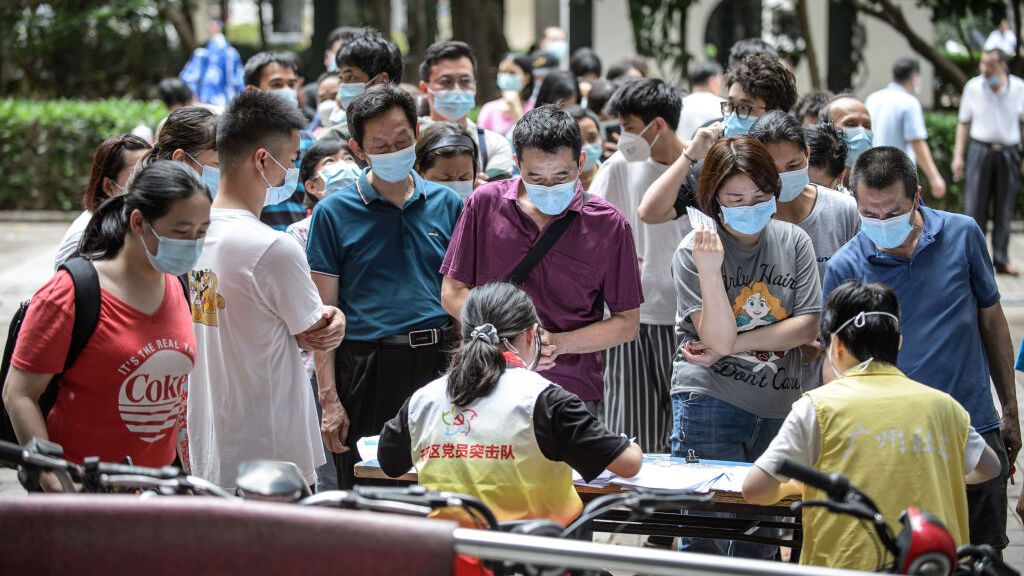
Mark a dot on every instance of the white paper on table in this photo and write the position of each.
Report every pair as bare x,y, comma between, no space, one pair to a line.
367,446
661,472
601,481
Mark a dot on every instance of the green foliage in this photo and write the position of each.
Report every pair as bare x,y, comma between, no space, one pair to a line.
657,26
46,147
87,48
941,137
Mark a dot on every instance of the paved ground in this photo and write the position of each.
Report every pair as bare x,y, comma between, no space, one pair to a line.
26,262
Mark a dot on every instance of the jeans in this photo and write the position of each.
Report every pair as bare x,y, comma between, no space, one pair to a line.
717,430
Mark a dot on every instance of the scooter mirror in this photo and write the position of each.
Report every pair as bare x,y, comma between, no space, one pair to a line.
271,481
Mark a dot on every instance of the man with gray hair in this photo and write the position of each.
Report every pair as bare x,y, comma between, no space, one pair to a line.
958,343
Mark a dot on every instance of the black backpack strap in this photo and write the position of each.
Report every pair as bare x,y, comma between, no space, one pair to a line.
481,137
538,250
87,305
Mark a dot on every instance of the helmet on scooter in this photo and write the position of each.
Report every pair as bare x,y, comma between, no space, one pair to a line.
927,546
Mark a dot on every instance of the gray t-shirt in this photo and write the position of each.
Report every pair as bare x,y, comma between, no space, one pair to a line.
833,221
775,279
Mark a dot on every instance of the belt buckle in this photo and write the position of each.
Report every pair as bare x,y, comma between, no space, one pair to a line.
996,147
421,338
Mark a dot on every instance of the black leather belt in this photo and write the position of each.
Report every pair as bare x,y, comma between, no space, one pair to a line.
422,338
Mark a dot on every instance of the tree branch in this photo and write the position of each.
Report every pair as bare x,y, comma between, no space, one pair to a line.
892,15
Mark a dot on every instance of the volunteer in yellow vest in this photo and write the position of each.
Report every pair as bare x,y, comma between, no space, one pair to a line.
901,442
494,429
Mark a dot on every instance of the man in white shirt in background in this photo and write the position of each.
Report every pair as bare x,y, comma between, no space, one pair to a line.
704,103
898,120
254,305
448,78
991,112
1002,38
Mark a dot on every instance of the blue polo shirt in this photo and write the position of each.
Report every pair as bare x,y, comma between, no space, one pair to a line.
940,290
386,258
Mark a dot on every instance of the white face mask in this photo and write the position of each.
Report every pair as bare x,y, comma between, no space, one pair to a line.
633,146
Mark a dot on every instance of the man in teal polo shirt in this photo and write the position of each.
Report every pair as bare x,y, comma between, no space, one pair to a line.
375,248
955,336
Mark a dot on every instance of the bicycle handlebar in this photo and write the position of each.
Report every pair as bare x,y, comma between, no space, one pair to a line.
837,487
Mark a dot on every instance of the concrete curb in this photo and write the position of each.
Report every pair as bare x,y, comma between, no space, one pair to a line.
46,216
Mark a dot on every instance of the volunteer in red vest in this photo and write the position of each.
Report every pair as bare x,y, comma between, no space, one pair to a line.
495,429
122,395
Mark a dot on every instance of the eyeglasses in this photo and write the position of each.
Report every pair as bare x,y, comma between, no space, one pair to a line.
465,83
742,110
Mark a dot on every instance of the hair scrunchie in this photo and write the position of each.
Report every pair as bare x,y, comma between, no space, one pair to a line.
485,332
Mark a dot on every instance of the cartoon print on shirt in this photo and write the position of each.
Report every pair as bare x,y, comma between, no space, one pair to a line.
205,300
756,306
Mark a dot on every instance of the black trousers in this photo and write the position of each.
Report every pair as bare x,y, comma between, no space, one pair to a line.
373,380
986,502
992,176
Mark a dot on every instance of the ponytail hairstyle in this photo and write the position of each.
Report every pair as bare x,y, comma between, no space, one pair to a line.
108,162
190,128
493,315
153,191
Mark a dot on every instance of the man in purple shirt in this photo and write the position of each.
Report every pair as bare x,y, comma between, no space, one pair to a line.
593,263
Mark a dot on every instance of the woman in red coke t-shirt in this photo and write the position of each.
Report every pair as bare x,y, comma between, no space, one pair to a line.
123,395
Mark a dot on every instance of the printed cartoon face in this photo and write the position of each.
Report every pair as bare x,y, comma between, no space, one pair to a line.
205,299
756,306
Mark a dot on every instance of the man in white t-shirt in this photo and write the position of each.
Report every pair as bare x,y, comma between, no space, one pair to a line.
254,305
985,153
638,374
448,78
704,102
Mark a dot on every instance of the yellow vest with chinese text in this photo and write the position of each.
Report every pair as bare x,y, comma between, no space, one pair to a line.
899,441
489,450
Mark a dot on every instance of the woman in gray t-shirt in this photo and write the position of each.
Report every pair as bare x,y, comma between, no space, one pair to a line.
747,297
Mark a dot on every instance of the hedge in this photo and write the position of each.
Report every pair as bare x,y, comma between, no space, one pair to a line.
46,147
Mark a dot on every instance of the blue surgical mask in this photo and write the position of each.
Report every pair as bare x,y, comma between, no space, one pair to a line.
509,81
332,66
174,256
749,220
288,94
211,175
793,183
461,187
393,166
338,175
559,48
992,81
278,194
551,200
889,233
858,141
454,104
736,126
593,151
347,92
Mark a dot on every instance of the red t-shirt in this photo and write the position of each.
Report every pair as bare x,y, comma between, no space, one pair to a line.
123,395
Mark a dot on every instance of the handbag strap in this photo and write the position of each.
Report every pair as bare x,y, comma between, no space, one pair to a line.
541,247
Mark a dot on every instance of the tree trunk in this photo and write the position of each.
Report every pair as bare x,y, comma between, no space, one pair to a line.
892,15
183,27
262,25
377,14
1016,64
809,51
481,24
421,32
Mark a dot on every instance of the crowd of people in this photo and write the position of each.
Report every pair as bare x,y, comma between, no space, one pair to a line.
595,266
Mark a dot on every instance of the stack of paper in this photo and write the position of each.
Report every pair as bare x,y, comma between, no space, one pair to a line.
663,472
